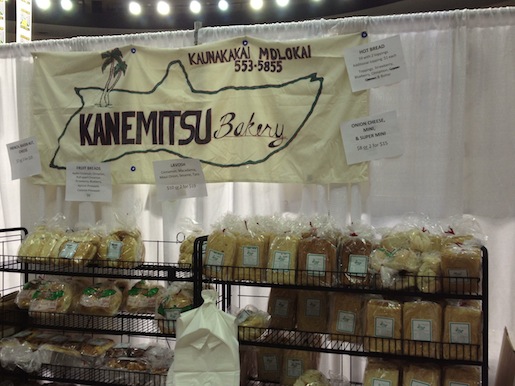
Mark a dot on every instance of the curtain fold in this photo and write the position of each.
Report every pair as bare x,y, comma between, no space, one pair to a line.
455,113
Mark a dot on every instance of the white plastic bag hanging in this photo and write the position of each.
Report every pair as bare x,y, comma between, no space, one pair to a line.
207,349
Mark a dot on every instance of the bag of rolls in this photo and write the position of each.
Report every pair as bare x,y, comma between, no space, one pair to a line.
429,274
79,247
252,323
422,330
121,248
345,322
383,326
103,299
378,370
53,297
462,337
421,375
143,297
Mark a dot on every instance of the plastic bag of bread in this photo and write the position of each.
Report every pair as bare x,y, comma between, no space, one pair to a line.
295,363
95,348
394,269
282,305
282,259
462,335
177,299
421,375
220,252
461,376
379,372
44,243
56,351
53,296
143,297
429,274
103,299
345,322
354,249
422,331
252,253
121,248
461,268
79,247
269,363
316,261
24,296
191,231
383,326
312,377
252,323
312,312
462,229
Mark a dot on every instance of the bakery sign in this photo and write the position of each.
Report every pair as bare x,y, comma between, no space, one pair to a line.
247,109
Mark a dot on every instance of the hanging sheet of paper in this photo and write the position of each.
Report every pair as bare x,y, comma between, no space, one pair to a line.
88,182
24,158
371,138
179,178
375,64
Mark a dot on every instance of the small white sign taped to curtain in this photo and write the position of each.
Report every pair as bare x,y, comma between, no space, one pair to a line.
88,182
370,138
24,158
179,178
375,64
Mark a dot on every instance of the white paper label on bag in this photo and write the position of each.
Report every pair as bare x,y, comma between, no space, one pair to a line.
419,383
381,382
313,307
270,363
281,260
384,327
281,307
421,330
294,368
460,333
375,64
375,137
316,264
358,264
179,178
88,182
215,258
24,158
346,322
250,256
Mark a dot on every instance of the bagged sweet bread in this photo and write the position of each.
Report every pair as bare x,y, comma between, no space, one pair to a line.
379,372
354,249
252,323
269,363
177,299
383,326
394,269
95,348
79,247
282,305
220,252
24,296
461,268
317,262
282,259
251,255
346,311
143,297
103,299
295,363
312,312
462,337
312,377
54,297
461,376
422,331
121,249
429,274
421,374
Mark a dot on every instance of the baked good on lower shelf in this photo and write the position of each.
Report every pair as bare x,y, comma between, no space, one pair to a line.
269,363
422,331
381,372
461,376
345,322
282,305
177,299
295,363
252,323
96,346
312,377
421,374
122,248
312,312
27,292
143,297
354,254
462,335
383,326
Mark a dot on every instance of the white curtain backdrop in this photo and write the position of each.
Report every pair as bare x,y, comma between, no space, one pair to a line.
456,113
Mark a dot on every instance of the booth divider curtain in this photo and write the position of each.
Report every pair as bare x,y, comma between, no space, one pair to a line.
456,113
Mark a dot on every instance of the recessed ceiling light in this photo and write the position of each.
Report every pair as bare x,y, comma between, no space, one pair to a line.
282,3
134,8
223,5
43,4
67,5
163,8
256,4
195,6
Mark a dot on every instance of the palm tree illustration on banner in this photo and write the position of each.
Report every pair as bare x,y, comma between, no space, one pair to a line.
117,67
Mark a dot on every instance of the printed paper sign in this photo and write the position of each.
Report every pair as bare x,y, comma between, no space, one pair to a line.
88,182
182,178
24,158
375,64
2,22
23,21
372,138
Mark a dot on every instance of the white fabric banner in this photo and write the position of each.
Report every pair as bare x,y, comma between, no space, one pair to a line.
23,21
250,110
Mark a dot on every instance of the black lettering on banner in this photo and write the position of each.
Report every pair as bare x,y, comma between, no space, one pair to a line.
126,127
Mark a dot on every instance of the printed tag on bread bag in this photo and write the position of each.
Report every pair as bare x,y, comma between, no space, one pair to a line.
89,182
295,368
114,250
414,382
375,64
315,264
374,137
250,256
358,265
381,382
460,333
281,307
281,260
180,178
384,327
346,322
313,307
270,362
421,330
24,158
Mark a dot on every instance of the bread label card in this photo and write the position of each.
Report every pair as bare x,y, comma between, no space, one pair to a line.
179,178
215,258
313,307
414,382
374,137
383,327
24,158
375,64
458,384
270,363
381,382
89,182
281,307
114,250
294,368
358,264
281,260
346,322
69,250
250,256
316,264
460,333
421,330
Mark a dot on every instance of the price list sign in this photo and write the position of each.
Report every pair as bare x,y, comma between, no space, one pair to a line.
179,178
89,182
24,158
